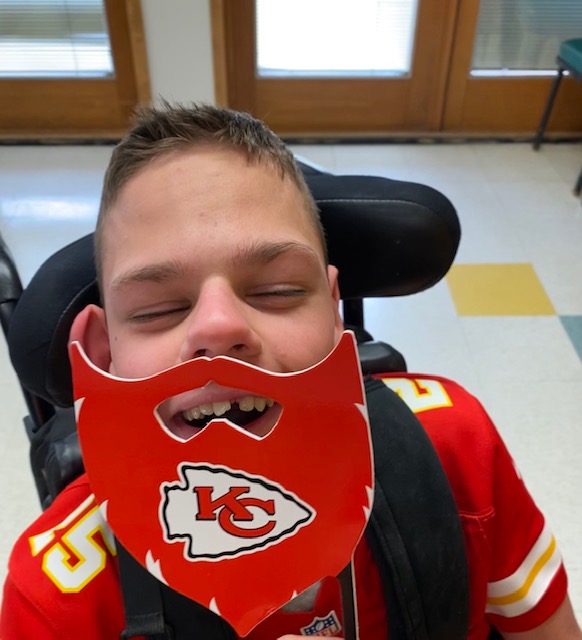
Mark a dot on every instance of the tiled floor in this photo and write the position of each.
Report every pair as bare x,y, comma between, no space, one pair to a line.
507,322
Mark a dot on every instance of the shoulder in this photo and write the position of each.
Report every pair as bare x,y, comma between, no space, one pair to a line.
68,550
73,507
445,408
460,430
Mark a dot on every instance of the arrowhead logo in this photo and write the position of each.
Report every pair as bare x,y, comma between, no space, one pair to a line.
220,513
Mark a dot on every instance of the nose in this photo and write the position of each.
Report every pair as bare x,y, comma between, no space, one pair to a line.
219,325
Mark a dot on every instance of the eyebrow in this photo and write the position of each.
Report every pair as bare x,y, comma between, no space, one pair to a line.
257,253
265,252
158,273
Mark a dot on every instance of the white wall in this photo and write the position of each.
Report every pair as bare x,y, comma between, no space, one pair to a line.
179,45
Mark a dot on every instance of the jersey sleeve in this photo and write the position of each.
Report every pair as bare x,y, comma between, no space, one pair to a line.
527,580
62,578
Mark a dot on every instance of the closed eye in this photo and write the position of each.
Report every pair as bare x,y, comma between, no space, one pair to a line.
151,316
277,299
285,293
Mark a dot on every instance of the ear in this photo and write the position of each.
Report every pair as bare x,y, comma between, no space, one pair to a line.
333,277
90,330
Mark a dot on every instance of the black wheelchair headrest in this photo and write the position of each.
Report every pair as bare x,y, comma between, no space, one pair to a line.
387,238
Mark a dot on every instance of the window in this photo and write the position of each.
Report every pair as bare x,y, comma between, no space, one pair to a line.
381,38
522,37
48,38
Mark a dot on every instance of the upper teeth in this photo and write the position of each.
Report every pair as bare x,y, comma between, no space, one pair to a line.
248,403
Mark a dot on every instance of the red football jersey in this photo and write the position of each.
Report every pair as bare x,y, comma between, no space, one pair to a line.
63,579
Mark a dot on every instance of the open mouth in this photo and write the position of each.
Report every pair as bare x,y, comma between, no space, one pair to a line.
184,416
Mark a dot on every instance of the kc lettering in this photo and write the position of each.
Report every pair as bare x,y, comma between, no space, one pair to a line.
231,507
217,512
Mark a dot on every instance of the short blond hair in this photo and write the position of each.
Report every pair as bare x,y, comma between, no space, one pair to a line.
158,131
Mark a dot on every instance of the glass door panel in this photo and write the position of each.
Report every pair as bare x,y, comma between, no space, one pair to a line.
523,37
50,39
381,38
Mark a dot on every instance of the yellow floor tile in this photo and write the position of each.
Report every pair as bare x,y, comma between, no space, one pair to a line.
498,290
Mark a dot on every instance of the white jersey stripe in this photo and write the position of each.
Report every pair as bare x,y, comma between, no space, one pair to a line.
521,591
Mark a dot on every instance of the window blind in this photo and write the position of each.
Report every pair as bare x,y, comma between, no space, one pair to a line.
335,37
522,37
54,38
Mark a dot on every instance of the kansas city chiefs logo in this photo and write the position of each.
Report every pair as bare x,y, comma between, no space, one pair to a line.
220,513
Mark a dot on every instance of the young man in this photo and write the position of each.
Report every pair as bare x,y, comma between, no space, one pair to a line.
208,244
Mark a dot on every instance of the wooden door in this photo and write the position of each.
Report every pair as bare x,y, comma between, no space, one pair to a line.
331,104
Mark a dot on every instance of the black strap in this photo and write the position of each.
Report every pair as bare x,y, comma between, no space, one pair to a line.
142,600
414,531
157,612
349,614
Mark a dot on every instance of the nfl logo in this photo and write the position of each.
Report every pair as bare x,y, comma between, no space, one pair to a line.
327,626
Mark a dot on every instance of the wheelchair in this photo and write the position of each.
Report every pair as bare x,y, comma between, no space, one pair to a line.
386,237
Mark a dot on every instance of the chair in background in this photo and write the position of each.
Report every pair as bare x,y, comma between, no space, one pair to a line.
569,59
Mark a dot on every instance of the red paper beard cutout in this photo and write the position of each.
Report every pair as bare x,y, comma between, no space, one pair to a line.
239,524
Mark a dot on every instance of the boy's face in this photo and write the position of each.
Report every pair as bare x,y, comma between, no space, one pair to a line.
205,254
